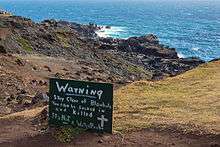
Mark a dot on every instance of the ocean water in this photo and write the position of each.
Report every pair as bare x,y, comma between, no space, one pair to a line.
190,26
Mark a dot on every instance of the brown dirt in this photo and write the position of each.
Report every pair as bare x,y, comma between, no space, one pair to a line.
18,130
4,32
25,136
31,74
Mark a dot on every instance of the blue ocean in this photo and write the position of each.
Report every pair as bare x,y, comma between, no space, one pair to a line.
190,26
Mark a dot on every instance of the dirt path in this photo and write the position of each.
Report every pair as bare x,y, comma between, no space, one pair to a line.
141,138
21,133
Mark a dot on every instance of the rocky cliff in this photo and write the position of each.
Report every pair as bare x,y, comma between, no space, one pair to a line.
129,59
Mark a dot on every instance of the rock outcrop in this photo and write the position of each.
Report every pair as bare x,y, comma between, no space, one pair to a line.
136,57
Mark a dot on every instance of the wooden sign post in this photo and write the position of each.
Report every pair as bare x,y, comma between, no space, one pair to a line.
81,104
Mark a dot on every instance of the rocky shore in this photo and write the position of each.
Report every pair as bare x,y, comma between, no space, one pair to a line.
129,58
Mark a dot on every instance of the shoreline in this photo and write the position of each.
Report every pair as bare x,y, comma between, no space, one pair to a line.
107,31
115,32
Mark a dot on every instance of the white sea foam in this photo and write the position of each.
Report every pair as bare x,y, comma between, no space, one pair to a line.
180,55
102,33
195,48
110,32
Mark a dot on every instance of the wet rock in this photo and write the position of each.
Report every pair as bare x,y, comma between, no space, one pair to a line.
108,27
151,38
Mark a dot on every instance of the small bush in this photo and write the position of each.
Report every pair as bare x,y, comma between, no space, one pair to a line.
63,40
25,44
66,134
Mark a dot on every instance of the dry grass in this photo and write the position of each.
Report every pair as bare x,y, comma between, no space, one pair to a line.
190,101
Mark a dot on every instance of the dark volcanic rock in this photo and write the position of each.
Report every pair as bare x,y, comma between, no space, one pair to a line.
148,45
137,57
108,27
192,61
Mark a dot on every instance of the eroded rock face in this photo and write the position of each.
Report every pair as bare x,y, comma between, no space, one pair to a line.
147,45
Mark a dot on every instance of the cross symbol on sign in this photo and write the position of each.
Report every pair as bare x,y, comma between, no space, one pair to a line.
103,120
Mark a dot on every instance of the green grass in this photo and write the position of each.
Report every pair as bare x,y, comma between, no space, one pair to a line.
66,134
135,69
24,44
190,101
138,69
62,39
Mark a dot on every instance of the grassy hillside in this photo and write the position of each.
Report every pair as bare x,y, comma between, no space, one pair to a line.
188,102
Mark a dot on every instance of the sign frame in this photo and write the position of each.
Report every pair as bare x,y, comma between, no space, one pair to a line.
81,104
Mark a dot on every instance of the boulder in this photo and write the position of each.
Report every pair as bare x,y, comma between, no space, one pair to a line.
146,39
108,27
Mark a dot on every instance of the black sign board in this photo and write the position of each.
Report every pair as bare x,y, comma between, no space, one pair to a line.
81,104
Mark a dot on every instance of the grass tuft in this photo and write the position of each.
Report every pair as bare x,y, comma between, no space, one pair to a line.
63,40
25,44
67,133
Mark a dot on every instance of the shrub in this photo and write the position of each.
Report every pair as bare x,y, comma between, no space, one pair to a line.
25,44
